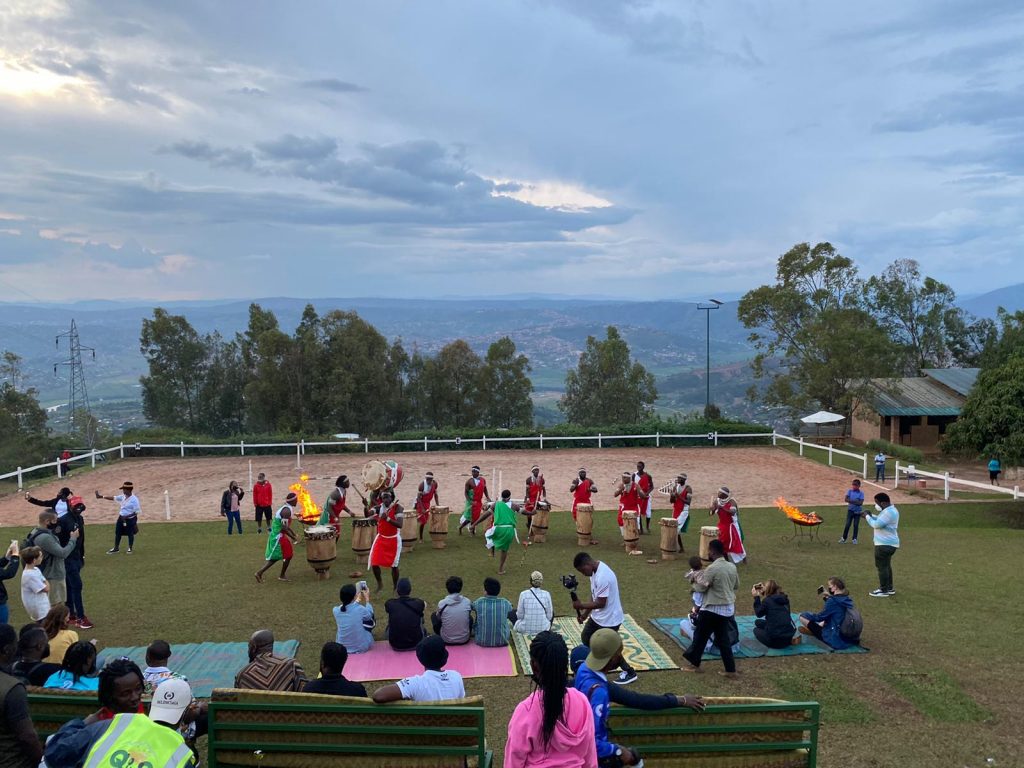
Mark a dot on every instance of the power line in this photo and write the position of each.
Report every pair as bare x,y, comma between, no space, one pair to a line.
78,395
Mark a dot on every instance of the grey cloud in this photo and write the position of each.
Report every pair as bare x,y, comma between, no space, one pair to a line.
71,65
218,157
970,59
249,90
989,107
290,147
333,85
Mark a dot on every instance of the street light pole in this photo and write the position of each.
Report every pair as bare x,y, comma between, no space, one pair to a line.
706,309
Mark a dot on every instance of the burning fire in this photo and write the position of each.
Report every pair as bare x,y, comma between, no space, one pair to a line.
309,514
794,513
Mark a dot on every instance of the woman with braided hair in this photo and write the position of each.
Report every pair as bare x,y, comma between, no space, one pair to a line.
554,726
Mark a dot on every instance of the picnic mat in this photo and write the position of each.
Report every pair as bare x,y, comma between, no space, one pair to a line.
470,660
206,665
640,649
750,647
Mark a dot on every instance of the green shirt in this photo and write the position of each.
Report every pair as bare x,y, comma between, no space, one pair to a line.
492,627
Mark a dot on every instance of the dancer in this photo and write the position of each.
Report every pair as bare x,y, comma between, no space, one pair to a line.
629,499
127,516
279,542
426,497
646,485
729,532
476,492
335,505
681,497
581,488
501,535
536,492
386,549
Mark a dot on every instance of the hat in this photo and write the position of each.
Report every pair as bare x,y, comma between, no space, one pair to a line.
170,700
474,468
725,489
534,467
291,498
577,657
604,644
431,652
76,501
536,578
127,485
582,469
681,476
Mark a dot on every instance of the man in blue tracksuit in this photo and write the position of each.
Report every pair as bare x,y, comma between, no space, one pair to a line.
592,681
854,506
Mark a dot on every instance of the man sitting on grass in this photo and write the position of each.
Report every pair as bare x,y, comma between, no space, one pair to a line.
491,625
266,671
435,684
331,681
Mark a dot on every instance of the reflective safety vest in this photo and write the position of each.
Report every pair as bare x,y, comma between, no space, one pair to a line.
135,741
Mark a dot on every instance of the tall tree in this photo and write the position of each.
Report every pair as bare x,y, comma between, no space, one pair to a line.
992,420
505,387
1006,341
452,382
177,358
222,410
607,387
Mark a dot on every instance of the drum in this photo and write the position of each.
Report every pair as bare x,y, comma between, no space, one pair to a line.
362,537
669,543
439,527
410,530
321,549
584,524
378,475
539,527
707,534
630,531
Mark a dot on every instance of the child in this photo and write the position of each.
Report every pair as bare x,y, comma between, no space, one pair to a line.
34,589
696,576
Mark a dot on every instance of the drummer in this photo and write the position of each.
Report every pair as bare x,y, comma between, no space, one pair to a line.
279,543
536,492
729,532
476,492
630,498
581,488
426,497
681,496
387,544
336,505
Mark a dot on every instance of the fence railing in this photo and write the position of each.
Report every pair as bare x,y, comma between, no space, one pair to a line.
912,474
806,445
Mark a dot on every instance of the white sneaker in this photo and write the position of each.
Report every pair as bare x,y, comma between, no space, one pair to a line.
854,541
879,593
842,541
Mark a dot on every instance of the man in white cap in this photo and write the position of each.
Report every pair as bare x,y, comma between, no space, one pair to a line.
127,516
174,705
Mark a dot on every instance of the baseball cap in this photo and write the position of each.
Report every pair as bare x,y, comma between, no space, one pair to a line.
170,700
604,644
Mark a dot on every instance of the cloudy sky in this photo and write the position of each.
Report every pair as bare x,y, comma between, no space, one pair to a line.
638,148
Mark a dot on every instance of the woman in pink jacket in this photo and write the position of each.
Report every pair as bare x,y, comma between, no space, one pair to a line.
554,726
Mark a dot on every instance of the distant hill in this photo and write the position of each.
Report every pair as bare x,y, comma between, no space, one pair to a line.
1010,298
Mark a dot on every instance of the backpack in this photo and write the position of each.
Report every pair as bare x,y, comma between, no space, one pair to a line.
852,625
30,541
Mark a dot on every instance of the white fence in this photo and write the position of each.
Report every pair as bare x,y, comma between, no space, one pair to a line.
912,474
832,452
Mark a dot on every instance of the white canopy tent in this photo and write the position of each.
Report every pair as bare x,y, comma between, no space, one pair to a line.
822,417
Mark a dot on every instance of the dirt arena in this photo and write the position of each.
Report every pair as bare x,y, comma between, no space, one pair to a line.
756,476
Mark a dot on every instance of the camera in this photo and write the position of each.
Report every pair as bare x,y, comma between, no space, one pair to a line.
571,583
823,593
759,587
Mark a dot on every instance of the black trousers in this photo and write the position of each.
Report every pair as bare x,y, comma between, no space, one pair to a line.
711,625
126,526
588,631
262,512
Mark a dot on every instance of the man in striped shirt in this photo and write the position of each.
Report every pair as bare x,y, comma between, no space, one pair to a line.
267,671
491,626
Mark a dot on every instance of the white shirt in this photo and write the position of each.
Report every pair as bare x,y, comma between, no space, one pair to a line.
61,507
35,600
433,686
605,584
534,612
129,505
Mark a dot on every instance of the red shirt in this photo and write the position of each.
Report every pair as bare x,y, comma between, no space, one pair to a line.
263,495
680,500
629,501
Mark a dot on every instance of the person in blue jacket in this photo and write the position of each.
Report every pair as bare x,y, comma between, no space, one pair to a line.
825,625
854,506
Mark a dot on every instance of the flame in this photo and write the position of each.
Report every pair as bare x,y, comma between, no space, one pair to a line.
794,513
309,513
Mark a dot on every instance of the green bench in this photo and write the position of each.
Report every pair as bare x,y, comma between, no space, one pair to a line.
50,709
730,733
295,730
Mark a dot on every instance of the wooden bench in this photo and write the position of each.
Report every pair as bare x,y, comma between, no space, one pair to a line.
294,730
730,733
51,708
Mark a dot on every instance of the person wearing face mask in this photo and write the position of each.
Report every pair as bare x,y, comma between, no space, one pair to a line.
426,497
729,533
885,522
45,537
827,624
263,501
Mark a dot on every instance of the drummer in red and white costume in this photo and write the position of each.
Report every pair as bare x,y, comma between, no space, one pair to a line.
629,498
681,496
535,492
387,544
729,533
336,505
581,488
426,497
646,485
476,492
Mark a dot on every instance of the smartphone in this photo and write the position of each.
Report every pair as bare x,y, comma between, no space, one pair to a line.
759,586
362,586
821,590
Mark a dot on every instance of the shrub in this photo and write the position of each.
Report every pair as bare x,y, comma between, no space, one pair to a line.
903,452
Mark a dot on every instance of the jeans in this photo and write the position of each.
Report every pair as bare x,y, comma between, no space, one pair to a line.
73,578
883,562
125,527
5,613
234,518
262,512
711,625
590,628
880,472
852,517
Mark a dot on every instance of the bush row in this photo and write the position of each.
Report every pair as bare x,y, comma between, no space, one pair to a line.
904,452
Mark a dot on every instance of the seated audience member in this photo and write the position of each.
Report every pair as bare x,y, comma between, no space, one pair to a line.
554,725
152,740
535,612
29,666
491,626
58,634
332,663
627,697
77,671
435,684
405,618
120,690
20,744
158,654
826,625
267,671
453,620
774,625
355,621
592,681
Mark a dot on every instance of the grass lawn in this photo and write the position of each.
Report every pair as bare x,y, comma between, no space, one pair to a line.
941,685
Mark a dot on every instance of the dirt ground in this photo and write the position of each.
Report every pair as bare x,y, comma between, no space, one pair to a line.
756,477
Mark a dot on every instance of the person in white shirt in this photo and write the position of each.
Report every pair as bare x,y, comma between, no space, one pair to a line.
127,517
435,684
34,589
604,611
534,612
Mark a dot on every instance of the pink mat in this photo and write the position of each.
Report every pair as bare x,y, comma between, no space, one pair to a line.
382,663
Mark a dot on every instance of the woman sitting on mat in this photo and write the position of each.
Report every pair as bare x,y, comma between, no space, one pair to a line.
355,621
826,625
774,625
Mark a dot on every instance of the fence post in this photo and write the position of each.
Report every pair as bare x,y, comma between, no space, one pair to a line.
775,440
865,474
298,456
424,443
830,454
21,485
485,444
167,504
250,473
598,439
1016,488
898,476
302,446
801,445
542,441
58,469
657,439
366,445
183,449
716,438
945,482
122,450
241,445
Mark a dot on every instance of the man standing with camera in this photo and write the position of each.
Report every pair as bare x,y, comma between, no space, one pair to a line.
604,611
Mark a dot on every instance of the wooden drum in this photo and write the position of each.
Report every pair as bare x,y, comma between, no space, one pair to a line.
362,537
439,527
539,526
378,475
707,534
669,542
321,549
410,530
630,531
584,524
